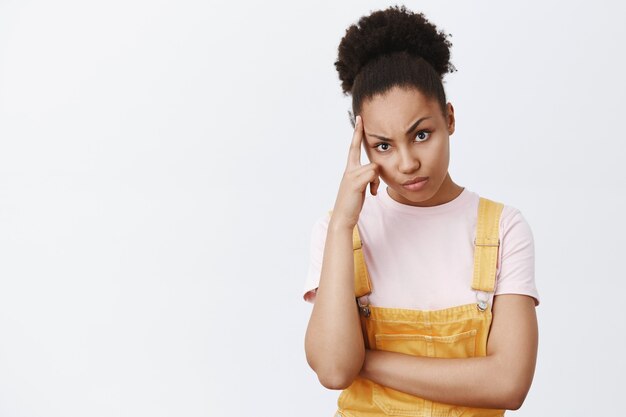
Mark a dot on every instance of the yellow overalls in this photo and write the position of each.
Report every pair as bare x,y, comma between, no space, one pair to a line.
455,332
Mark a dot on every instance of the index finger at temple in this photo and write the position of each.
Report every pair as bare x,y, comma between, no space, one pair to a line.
354,157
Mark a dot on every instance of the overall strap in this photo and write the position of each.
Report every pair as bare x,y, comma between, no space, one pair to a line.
362,284
486,245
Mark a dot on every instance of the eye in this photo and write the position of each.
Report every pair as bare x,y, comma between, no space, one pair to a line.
420,135
377,147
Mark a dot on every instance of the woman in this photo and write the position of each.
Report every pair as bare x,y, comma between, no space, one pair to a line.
444,321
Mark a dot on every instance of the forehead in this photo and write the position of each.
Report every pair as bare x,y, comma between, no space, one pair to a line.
397,109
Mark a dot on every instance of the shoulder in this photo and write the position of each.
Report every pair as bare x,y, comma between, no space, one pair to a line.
516,257
514,226
512,220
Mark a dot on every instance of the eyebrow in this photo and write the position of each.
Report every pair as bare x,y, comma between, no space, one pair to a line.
411,129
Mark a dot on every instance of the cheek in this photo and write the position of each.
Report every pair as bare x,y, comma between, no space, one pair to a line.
385,165
440,154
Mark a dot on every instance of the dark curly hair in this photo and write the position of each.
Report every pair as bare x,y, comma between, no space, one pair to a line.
393,47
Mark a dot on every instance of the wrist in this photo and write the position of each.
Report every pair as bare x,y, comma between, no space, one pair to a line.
336,225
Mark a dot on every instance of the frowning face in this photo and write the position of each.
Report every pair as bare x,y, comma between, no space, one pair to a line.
407,135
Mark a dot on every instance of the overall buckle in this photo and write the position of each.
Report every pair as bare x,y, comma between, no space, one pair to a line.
364,309
482,300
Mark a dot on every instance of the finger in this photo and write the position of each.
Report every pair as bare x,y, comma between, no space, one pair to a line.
354,155
374,185
364,173
367,174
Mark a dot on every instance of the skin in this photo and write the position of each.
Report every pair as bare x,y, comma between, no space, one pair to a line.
334,341
423,152
501,379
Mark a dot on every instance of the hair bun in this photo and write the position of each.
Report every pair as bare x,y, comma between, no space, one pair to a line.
392,30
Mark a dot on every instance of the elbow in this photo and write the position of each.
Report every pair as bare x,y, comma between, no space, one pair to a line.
336,376
514,403
336,380
514,398
514,384
333,372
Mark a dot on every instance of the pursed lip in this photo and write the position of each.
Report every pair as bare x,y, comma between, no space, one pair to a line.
414,180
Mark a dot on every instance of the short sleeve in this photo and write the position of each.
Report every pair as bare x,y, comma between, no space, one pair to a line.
318,241
516,271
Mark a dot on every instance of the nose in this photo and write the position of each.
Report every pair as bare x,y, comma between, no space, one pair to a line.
409,162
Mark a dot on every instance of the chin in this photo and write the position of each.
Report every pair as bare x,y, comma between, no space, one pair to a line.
414,196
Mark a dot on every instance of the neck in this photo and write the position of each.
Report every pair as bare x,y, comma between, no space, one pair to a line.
448,191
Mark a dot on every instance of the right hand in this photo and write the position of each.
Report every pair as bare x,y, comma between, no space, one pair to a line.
351,193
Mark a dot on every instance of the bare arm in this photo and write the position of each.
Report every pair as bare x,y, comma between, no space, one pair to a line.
334,341
499,380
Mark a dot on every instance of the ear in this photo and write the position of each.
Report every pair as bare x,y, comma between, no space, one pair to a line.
450,119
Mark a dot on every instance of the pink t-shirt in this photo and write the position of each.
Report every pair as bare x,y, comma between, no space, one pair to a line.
422,257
